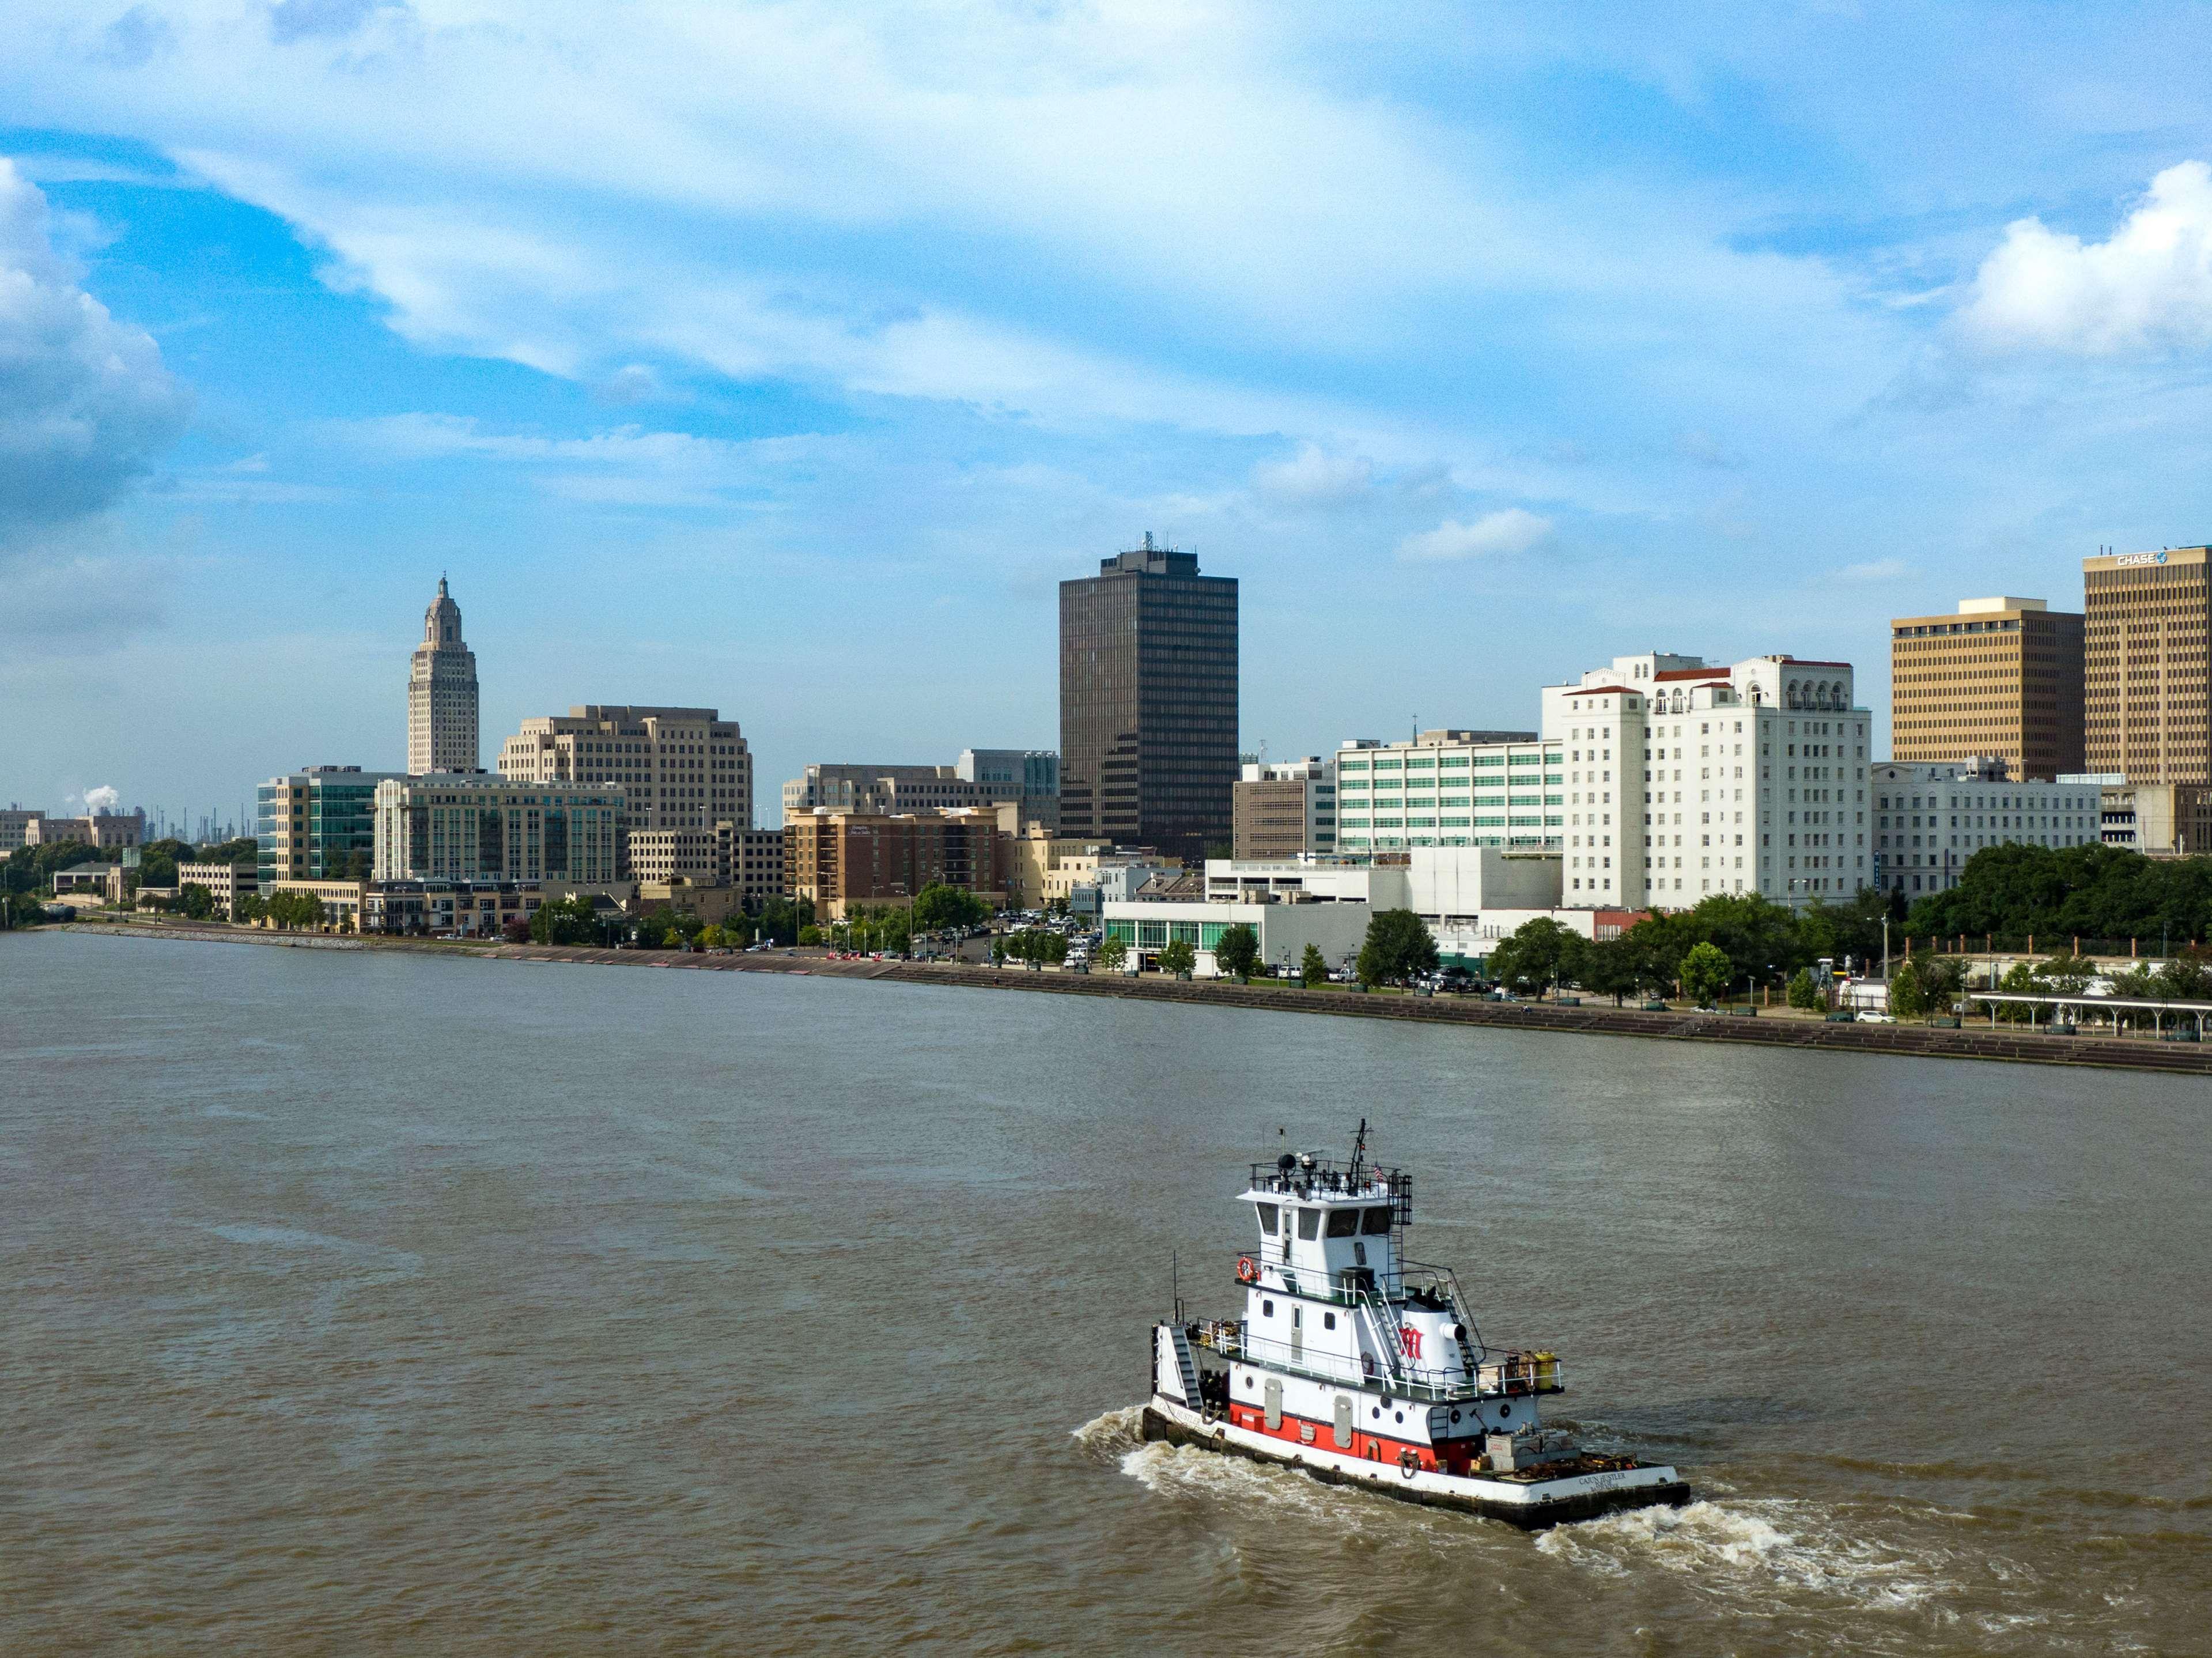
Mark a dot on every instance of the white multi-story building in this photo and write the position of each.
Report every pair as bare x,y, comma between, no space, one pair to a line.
1468,897
1449,788
441,694
1929,819
679,768
1684,780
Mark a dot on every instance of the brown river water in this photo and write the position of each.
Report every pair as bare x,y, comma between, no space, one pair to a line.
363,1303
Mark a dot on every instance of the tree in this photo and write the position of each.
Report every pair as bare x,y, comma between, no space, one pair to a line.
1908,990
1237,951
301,910
515,930
573,920
2091,890
1942,977
1179,957
195,901
2020,979
711,936
2063,975
1112,954
1311,967
1539,952
1037,945
810,935
781,918
241,851
1803,994
1608,968
1398,946
2187,977
250,907
939,908
1706,973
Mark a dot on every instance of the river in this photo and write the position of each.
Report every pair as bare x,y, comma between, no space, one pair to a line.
382,1302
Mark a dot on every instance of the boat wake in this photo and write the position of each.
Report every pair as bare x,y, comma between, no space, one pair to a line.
1115,1432
1727,1548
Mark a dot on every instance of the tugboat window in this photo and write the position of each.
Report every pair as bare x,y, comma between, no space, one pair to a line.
1343,1222
1266,1309
1328,1320
1309,1223
1266,1216
1379,1223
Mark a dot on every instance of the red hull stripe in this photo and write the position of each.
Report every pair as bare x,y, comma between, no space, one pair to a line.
1375,1447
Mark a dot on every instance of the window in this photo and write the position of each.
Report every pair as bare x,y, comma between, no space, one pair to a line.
1328,1320
1377,1222
1267,1218
1266,1309
1309,1223
1343,1222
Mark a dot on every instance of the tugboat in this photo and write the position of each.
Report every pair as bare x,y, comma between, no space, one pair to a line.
1360,1366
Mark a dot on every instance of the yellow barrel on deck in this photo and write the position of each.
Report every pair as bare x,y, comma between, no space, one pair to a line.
1548,1372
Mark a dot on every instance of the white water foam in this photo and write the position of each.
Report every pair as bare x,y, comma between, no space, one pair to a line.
1188,1472
1729,1548
1113,1432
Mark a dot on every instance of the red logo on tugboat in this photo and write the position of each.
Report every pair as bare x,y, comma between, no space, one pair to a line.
1411,1337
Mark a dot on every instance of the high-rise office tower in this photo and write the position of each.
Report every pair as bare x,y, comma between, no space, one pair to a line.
441,694
1148,703
2003,677
2149,665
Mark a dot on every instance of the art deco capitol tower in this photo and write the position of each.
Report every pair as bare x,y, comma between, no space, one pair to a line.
441,694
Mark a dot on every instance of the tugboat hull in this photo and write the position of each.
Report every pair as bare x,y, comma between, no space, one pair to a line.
1532,1504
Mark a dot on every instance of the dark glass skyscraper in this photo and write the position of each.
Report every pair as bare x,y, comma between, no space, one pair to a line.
1148,703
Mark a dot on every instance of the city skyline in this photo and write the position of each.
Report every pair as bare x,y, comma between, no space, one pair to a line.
1558,361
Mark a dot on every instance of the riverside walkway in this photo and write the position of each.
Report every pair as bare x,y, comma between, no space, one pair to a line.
1924,1041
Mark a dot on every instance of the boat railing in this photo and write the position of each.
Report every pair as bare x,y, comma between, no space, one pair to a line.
1413,1281
1498,1372
1435,1385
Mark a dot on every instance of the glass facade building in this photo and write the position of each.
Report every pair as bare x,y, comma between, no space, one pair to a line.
318,824
1148,703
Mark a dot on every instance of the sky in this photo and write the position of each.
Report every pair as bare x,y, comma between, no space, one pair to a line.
784,358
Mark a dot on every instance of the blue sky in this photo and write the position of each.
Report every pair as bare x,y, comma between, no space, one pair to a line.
785,357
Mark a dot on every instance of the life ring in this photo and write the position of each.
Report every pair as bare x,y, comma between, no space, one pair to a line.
1409,1461
1248,1269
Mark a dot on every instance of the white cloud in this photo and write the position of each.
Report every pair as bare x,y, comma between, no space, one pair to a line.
2147,287
794,191
104,798
85,404
1511,530
1314,477
1877,570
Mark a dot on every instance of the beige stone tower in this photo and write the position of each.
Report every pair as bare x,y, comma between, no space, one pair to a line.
441,694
